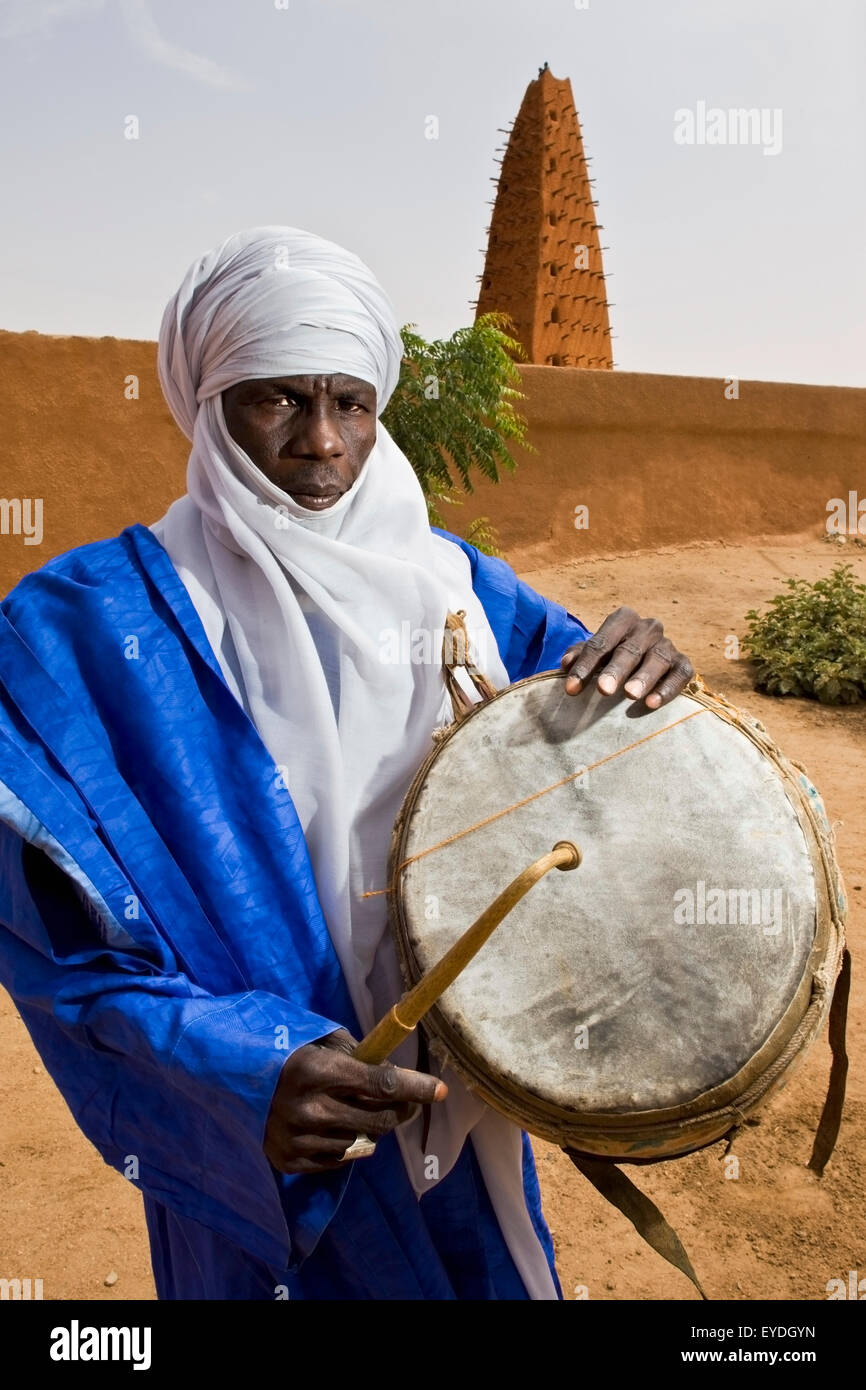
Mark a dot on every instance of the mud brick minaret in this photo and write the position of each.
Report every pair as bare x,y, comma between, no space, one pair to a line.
543,264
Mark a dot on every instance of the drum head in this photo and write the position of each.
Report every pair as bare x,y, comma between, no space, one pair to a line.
654,972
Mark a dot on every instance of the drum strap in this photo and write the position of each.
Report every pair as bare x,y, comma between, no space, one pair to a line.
831,1115
644,1215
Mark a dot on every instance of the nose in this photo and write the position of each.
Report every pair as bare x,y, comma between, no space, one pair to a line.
316,435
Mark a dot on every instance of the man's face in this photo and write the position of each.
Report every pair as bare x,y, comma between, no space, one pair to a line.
310,435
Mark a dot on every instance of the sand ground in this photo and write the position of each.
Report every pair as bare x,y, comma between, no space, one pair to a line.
775,1232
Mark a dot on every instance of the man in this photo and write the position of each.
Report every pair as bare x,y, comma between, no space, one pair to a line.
202,754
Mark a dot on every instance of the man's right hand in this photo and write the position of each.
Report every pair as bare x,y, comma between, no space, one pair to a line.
325,1098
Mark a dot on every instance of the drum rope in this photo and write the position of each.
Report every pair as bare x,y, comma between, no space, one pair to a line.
516,806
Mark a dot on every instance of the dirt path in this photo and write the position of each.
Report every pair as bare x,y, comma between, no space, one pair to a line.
775,1232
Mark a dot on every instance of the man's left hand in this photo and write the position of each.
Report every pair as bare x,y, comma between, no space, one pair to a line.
630,653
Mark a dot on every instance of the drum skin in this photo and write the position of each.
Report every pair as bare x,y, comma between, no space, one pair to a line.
644,1004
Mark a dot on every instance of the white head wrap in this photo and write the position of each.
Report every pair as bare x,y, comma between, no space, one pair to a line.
303,608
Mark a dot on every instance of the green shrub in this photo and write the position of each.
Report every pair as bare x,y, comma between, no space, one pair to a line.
812,640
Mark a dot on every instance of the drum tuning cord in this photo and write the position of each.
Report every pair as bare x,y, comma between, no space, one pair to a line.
534,796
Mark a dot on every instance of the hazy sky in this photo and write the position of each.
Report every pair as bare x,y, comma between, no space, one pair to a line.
724,260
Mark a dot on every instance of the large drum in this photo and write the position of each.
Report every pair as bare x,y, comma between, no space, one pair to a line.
644,1004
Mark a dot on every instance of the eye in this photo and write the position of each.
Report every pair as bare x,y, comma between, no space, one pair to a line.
348,403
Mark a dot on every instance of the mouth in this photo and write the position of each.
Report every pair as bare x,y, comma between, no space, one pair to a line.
317,501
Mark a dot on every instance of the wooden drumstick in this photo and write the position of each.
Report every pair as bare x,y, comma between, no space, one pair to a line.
390,1031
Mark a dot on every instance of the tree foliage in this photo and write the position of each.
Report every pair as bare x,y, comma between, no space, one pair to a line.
453,413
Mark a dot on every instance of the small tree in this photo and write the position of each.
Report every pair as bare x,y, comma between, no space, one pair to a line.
453,412
812,641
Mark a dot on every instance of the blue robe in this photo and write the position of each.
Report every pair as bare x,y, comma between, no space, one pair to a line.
160,929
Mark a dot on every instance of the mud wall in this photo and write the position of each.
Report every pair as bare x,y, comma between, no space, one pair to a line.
656,460
663,460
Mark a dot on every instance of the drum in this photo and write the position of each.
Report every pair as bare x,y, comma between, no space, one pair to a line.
646,1003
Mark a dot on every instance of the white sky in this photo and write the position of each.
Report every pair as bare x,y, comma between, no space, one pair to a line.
723,261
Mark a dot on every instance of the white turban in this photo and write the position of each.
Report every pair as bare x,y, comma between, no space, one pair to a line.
273,301
304,608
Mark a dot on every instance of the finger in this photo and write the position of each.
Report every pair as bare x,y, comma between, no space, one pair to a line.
319,1146
332,1069
330,1074
673,684
340,1041
324,1126
626,657
371,1116
629,654
291,1146
386,1086
581,660
299,1150
656,664
328,1116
